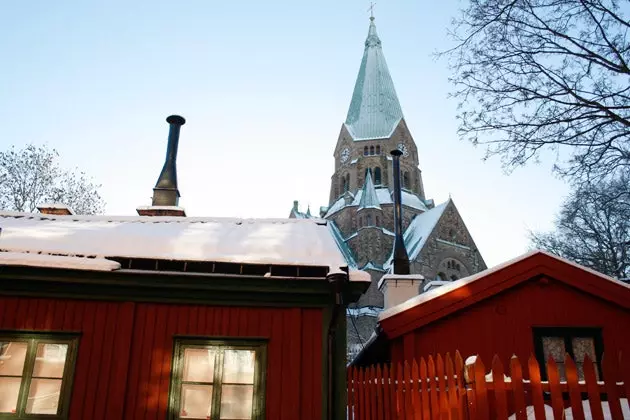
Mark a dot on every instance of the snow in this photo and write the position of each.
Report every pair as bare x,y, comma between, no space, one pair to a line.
248,241
54,206
384,197
23,259
568,413
337,205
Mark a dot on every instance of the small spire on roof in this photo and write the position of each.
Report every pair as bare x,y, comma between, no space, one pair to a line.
369,199
308,210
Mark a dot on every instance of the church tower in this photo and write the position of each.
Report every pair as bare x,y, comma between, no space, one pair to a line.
360,211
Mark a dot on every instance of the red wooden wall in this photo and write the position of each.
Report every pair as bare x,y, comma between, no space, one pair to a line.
124,356
502,324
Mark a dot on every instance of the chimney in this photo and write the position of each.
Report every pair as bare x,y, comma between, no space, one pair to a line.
400,261
55,209
398,288
165,193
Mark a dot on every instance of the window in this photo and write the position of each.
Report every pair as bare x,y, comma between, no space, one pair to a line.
368,220
35,374
218,380
552,342
378,222
371,150
365,151
377,175
378,150
406,180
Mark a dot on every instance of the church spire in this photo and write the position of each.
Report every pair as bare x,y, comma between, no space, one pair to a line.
369,199
374,109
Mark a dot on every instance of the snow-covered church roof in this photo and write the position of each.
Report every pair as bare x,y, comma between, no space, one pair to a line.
384,196
374,109
300,242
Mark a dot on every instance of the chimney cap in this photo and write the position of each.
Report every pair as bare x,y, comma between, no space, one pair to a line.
175,119
396,152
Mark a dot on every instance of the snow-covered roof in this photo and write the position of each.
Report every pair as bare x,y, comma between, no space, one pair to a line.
454,285
57,261
384,197
301,242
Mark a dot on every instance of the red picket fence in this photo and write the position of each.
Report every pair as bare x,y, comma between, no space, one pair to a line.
443,389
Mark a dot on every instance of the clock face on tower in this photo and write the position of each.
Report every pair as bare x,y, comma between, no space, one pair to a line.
345,155
403,148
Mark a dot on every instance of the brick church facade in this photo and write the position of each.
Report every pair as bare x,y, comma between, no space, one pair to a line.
360,210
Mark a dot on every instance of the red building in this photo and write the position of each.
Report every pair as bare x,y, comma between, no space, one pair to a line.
171,317
535,304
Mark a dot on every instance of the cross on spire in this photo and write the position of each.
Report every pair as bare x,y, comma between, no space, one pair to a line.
371,10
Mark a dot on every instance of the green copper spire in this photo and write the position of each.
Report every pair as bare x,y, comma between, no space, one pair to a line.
369,198
374,110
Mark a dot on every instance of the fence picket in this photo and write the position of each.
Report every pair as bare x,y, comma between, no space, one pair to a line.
499,388
379,393
461,387
593,390
518,394
392,393
433,389
611,370
424,389
408,408
416,404
352,393
386,393
400,393
624,370
442,396
574,391
537,395
554,386
373,396
361,395
452,390
481,393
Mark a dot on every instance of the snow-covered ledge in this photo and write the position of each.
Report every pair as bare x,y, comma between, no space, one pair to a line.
398,288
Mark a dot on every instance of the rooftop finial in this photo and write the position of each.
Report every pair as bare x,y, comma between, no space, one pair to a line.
371,9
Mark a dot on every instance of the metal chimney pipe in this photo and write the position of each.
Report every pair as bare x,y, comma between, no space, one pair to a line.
165,192
401,259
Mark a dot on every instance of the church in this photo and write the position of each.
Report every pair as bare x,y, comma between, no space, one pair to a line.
360,210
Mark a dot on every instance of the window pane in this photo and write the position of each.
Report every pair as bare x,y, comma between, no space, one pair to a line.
199,365
50,360
196,401
583,346
553,348
43,396
236,401
12,356
9,391
238,366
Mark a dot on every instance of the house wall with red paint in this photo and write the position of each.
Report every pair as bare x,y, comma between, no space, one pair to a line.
125,351
502,324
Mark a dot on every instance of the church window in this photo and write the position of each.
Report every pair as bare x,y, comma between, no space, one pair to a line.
377,221
441,276
378,150
377,175
360,221
365,151
368,220
371,150
406,180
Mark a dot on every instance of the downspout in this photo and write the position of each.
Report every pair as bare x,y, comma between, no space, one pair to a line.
337,281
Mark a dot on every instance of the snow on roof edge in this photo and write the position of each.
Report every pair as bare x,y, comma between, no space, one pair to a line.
22,259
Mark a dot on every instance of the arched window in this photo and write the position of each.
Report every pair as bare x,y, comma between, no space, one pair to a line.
377,175
441,276
378,222
406,180
347,182
365,151
360,221
368,220
371,150
378,150
448,264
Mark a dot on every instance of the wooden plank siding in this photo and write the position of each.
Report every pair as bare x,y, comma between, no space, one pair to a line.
125,351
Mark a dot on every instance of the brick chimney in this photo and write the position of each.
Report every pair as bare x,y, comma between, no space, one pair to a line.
165,193
398,288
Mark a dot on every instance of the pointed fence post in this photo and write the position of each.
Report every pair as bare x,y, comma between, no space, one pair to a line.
408,407
400,393
481,393
611,370
433,390
442,395
461,386
574,388
518,394
379,393
372,393
536,387
452,390
424,389
499,388
554,387
416,405
593,389
386,392
624,369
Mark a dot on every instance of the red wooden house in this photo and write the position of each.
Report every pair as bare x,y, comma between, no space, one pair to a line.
535,304
161,316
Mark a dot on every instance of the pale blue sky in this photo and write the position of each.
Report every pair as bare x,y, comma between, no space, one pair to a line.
264,86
